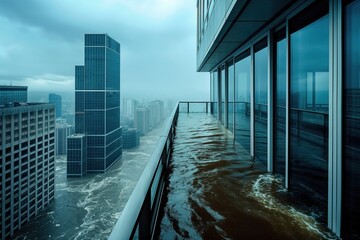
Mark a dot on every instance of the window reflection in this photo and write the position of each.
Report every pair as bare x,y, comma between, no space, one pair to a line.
242,102
215,93
222,79
279,107
309,98
231,97
351,170
260,78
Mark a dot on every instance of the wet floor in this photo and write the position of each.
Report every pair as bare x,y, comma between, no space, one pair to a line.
215,191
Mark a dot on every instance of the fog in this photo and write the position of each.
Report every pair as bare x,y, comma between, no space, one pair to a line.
42,41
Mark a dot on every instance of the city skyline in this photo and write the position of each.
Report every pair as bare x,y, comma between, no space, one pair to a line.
45,46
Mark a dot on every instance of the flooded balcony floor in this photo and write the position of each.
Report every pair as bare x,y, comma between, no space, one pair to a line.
215,191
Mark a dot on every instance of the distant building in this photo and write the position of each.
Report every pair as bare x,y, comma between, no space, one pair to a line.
27,165
129,106
156,113
97,104
13,94
141,120
63,130
57,101
131,137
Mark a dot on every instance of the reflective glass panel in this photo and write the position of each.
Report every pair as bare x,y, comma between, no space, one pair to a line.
223,96
231,97
215,94
261,77
309,98
279,107
351,112
242,102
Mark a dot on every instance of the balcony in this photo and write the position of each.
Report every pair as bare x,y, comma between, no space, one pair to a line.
200,183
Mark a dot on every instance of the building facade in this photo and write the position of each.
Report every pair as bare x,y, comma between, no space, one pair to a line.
27,165
285,80
62,131
129,106
57,101
13,94
156,113
142,120
131,138
97,102
76,155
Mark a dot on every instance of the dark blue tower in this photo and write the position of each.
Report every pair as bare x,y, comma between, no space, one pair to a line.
97,101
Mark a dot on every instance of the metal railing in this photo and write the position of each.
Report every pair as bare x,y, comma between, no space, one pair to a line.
194,107
139,216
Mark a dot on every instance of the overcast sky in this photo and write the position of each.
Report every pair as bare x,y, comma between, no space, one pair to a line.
41,42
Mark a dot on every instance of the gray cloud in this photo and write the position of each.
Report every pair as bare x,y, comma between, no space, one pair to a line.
44,40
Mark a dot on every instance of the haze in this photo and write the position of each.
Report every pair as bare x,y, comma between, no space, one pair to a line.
41,42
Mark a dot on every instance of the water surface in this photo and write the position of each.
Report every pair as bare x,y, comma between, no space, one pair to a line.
216,191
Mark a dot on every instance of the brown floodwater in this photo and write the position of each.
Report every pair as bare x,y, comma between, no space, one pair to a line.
214,190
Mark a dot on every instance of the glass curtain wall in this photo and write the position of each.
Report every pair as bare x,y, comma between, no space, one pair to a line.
211,92
261,79
309,98
222,93
231,83
280,102
215,93
242,99
351,130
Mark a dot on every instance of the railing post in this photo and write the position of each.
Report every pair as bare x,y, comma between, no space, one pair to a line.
206,107
188,107
145,218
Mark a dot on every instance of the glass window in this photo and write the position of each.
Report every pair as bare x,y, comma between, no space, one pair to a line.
309,98
261,78
223,80
95,68
280,103
231,97
215,93
242,100
351,112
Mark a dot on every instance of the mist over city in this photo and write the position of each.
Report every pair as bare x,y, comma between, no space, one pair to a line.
39,48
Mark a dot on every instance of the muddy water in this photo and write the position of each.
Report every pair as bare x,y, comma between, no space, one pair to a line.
215,191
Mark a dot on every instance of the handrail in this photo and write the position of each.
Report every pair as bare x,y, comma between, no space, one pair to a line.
141,210
207,105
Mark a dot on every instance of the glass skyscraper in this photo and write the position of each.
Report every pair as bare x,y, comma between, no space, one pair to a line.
57,101
97,102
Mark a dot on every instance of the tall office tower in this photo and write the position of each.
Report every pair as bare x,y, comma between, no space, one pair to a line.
13,94
62,131
27,165
97,102
156,112
129,106
141,120
56,100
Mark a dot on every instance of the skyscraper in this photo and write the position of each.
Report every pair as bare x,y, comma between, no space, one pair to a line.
57,101
97,102
27,163
13,94
141,120
62,131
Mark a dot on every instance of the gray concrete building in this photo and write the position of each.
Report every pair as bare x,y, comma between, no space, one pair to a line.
27,165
